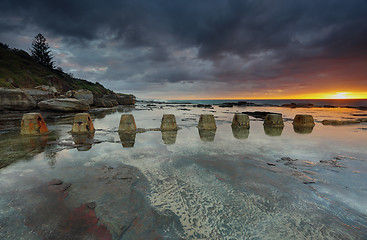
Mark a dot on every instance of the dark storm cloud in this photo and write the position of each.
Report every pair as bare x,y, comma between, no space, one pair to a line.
176,41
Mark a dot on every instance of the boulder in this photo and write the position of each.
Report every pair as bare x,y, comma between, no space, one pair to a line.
126,99
16,99
47,88
108,103
114,102
84,95
40,95
99,102
63,105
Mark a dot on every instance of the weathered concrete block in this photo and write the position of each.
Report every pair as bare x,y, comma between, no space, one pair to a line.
207,135
303,120
127,123
168,123
169,137
127,139
207,122
273,130
240,132
33,123
82,123
274,120
240,121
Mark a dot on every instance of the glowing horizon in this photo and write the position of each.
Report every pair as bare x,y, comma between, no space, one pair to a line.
340,95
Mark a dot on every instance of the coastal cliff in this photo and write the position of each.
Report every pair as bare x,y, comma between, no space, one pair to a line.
24,83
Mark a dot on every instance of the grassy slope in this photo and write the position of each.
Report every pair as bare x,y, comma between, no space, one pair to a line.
18,70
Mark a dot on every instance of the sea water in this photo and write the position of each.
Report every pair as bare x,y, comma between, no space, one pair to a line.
255,184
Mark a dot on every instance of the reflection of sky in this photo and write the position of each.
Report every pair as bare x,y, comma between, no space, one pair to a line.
199,164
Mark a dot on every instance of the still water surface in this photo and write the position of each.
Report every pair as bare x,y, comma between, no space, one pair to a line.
256,184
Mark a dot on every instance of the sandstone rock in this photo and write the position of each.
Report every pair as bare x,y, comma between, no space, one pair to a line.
82,123
47,88
127,99
114,102
99,102
168,122
127,123
63,105
108,103
33,124
274,120
40,95
303,120
70,94
16,99
241,121
84,95
207,121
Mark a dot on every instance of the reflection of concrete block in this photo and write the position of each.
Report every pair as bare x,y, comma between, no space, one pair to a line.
241,121
83,140
302,129
207,135
33,123
274,120
127,139
240,132
273,130
303,120
169,137
168,122
82,123
127,123
207,121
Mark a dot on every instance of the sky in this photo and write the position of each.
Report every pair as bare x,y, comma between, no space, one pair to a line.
202,49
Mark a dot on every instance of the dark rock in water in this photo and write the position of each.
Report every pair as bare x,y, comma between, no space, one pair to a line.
271,164
63,105
360,115
226,105
204,106
16,99
329,106
298,105
91,205
259,114
56,182
340,122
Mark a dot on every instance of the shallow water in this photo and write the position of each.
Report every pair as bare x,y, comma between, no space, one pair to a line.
189,184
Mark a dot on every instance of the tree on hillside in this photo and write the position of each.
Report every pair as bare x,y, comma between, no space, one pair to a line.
41,51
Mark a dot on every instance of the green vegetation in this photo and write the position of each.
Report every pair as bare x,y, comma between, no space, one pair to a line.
19,70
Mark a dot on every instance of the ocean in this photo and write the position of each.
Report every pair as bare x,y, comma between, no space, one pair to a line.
278,102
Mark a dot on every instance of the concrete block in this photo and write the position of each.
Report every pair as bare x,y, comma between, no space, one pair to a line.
127,123
82,123
240,121
207,122
274,120
33,124
168,122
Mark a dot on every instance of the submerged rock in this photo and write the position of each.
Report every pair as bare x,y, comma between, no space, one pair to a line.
16,99
64,105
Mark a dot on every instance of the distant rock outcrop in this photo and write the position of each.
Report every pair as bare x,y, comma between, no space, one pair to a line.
16,99
63,105
83,95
